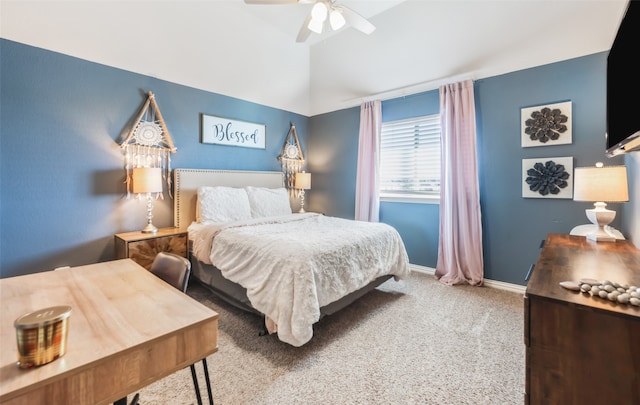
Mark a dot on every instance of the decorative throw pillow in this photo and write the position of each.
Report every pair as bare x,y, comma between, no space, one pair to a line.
268,202
222,204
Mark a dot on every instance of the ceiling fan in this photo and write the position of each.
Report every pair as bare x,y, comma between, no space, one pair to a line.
323,10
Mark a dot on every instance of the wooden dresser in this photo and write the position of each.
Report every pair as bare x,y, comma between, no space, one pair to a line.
581,349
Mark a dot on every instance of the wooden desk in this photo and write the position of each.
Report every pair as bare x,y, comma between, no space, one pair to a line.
581,349
127,329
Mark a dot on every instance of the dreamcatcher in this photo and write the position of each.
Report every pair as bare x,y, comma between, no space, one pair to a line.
148,145
291,159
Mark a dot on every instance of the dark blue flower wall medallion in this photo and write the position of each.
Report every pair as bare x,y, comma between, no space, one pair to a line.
547,177
546,125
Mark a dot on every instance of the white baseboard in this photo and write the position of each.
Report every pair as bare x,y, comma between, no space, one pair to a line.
520,289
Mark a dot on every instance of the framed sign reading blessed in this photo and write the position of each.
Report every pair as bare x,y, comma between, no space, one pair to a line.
225,131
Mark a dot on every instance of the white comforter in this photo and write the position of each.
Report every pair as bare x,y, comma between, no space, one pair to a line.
293,265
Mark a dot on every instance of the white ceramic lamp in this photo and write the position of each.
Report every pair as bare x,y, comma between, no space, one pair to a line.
600,185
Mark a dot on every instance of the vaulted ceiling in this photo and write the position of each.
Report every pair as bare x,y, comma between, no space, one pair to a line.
250,51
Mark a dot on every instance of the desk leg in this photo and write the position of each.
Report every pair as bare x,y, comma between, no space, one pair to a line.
123,401
197,386
206,376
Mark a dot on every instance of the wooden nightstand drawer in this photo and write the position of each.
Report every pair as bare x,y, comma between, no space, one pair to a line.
143,247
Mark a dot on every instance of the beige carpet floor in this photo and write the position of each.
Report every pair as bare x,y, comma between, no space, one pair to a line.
415,341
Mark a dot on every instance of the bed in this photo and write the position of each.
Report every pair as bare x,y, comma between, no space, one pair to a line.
248,248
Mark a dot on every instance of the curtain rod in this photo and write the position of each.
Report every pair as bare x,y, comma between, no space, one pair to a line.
408,90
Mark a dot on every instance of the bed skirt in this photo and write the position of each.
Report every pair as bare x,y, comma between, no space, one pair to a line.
236,295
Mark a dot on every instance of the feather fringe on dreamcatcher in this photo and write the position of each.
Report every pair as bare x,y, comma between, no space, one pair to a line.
291,159
148,144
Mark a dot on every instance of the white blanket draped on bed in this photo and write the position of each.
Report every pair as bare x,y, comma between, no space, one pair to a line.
293,265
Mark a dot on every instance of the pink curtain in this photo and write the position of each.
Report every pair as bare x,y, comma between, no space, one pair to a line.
460,248
367,180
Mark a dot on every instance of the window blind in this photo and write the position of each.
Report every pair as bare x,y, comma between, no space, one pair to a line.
410,157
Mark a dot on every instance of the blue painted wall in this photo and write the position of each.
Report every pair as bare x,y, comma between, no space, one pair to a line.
61,170
332,162
513,226
61,165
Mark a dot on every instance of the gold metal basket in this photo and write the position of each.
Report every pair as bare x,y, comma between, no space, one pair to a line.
42,335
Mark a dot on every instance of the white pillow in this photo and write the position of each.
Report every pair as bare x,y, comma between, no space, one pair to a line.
268,202
222,204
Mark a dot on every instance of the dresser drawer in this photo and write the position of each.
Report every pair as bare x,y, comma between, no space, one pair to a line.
143,248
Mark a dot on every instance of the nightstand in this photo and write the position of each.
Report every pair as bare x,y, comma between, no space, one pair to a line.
143,247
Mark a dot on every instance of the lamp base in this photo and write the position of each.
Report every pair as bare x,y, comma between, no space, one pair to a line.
588,229
601,236
150,228
601,217
301,210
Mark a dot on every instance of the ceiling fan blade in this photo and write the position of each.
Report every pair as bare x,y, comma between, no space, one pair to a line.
357,21
279,1
304,30
270,1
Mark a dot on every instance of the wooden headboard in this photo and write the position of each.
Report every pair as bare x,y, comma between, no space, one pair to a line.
187,181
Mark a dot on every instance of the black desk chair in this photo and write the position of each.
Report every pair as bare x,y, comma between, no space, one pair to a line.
175,270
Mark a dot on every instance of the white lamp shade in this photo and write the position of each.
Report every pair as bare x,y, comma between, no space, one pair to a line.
147,180
604,184
303,181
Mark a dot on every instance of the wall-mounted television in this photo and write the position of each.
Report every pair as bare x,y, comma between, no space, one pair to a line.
623,85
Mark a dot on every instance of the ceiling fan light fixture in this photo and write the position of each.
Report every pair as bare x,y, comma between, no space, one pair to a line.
315,26
336,19
338,15
319,12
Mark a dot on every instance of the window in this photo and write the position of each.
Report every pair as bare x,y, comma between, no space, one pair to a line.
410,159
